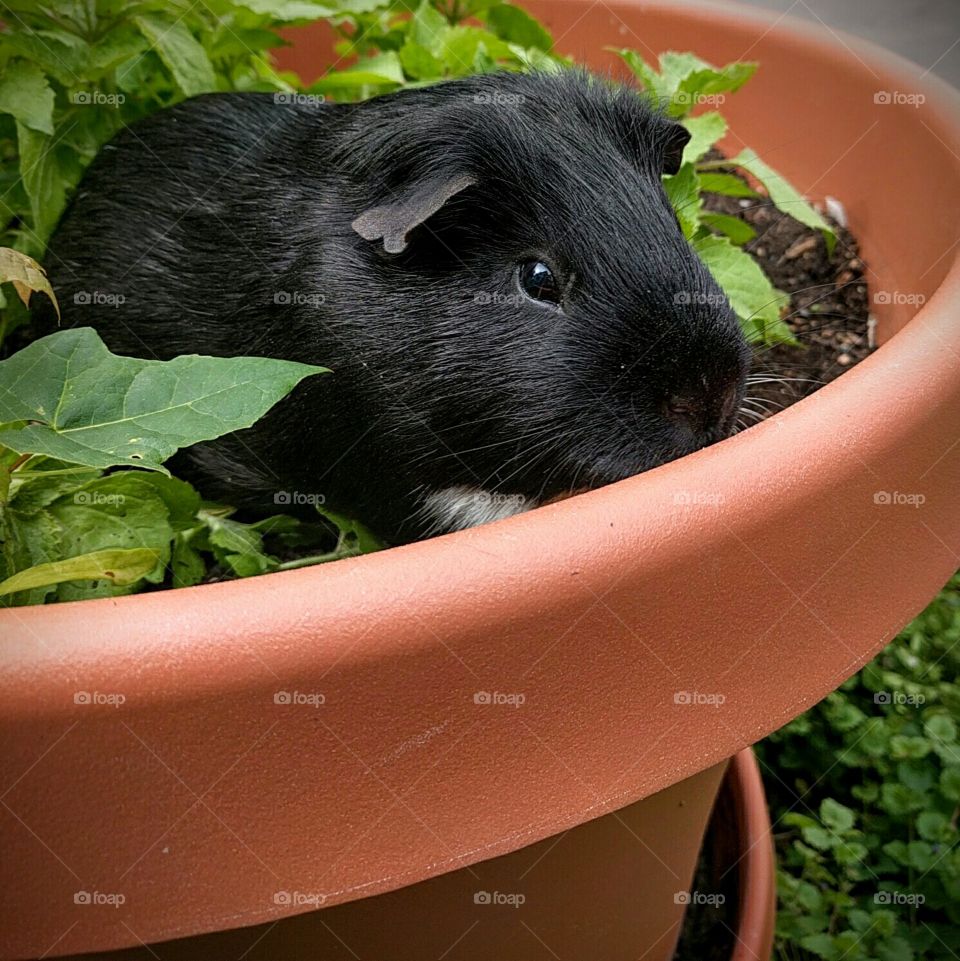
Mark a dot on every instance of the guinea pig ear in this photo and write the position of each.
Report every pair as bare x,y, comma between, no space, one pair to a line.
393,221
677,137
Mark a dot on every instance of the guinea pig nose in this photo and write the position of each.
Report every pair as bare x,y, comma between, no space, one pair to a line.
681,407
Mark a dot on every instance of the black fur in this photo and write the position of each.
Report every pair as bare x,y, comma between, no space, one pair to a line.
205,215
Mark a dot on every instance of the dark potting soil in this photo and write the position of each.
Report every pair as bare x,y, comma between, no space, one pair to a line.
829,305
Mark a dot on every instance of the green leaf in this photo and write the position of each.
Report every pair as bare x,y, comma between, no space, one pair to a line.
894,949
783,194
683,192
183,55
821,945
121,567
836,815
26,95
419,63
43,180
383,70
940,727
67,396
237,545
705,131
739,231
429,28
754,299
515,25
726,184
950,783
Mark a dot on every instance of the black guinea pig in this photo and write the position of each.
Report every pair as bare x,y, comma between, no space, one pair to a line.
489,266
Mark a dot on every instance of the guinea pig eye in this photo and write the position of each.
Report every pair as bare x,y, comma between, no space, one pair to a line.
538,281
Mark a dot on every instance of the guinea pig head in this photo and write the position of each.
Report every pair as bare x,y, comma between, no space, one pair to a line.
516,234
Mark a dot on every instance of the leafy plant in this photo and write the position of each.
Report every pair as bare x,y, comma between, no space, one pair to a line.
70,411
683,82
86,506
865,790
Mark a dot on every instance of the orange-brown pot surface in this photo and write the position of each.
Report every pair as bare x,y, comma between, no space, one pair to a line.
356,728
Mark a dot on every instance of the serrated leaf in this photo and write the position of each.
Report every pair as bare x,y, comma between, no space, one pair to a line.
382,70
182,54
683,192
726,184
783,194
120,567
67,396
705,131
739,231
419,63
754,299
515,25
26,95
429,28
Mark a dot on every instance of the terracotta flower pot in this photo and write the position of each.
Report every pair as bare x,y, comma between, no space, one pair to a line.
233,754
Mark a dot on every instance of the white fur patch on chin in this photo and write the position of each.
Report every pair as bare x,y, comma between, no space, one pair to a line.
457,508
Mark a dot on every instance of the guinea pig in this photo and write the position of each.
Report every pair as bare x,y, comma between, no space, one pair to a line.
490,267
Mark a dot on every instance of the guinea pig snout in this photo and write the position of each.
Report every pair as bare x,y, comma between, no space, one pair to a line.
708,415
